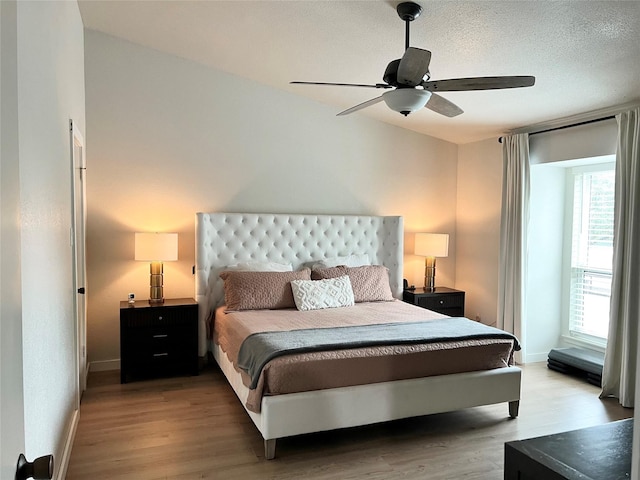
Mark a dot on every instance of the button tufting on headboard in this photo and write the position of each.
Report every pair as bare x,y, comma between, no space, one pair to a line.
224,239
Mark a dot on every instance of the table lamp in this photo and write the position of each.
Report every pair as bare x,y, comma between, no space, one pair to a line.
156,248
431,245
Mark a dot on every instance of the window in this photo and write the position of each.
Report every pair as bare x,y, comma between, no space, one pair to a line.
591,252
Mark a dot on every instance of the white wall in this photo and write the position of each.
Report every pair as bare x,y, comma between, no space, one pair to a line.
169,137
545,270
479,199
51,91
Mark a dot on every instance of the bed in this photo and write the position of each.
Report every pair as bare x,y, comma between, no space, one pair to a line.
225,239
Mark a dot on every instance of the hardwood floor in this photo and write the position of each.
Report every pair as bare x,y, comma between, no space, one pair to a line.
194,428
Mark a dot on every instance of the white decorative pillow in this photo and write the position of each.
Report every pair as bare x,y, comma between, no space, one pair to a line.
261,267
319,294
356,260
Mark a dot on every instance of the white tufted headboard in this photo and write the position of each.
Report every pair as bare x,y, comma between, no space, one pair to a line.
224,239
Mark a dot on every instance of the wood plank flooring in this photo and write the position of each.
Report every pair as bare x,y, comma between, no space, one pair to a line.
194,427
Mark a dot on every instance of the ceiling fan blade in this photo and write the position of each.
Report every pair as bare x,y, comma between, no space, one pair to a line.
360,106
377,85
443,106
414,65
478,83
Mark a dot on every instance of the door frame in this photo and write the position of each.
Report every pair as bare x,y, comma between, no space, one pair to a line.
78,239
12,434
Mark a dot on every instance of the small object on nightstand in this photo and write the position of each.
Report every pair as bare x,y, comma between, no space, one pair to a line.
447,301
131,299
158,339
406,286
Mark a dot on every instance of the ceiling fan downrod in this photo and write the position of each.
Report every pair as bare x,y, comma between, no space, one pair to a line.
408,12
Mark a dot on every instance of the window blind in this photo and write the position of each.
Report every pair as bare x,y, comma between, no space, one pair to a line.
592,253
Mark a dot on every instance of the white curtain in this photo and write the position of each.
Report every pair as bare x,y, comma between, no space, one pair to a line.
513,235
620,361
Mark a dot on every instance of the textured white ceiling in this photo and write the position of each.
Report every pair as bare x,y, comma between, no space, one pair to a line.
585,54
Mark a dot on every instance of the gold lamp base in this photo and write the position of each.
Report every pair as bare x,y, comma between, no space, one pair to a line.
156,294
430,274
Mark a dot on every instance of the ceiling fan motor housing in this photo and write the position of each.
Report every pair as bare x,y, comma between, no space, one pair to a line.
408,11
391,73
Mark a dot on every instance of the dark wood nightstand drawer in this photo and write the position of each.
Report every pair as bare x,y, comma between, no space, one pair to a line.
157,316
443,300
158,339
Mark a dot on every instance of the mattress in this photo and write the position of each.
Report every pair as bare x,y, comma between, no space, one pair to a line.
353,366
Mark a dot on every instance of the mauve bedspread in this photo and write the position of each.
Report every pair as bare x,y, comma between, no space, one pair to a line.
352,366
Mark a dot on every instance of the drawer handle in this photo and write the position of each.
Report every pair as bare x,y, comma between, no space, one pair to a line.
160,317
161,336
441,302
160,354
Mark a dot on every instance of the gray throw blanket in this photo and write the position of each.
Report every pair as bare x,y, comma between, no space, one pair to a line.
259,348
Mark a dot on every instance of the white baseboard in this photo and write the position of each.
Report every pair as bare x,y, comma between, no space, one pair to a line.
63,463
104,365
535,357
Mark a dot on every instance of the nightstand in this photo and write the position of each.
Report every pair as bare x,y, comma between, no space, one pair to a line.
442,300
158,339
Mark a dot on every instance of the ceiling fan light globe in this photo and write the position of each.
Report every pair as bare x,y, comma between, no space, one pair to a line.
406,100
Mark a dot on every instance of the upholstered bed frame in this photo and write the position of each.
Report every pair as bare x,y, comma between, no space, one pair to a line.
223,239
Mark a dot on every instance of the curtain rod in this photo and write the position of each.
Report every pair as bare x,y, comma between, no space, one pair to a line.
586,122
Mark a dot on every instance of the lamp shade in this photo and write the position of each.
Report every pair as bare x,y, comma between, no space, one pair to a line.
406,100
156,247
432,244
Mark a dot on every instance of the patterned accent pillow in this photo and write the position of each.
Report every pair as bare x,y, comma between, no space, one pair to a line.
260,290
319,294
370,283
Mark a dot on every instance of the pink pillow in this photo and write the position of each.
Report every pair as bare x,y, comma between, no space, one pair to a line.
370,283
245,290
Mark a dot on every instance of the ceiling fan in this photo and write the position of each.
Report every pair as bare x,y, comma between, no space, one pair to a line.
409,84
